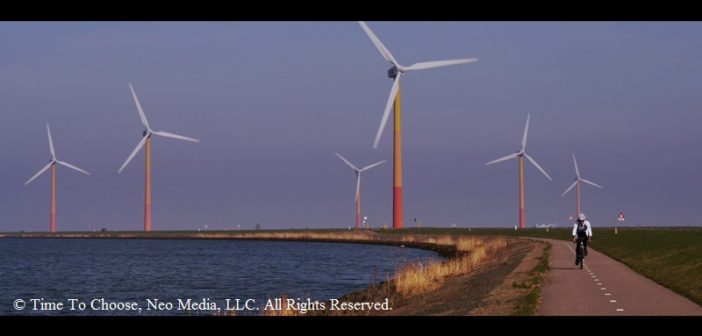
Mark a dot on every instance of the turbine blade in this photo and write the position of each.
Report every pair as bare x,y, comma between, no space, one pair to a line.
436,64
592,183
41,171
571,187
51,143
142,116
577,171
358,185
537,166
134,152
388,108
347,161
372,165
376,41
175,136
511,156
73,167
526,130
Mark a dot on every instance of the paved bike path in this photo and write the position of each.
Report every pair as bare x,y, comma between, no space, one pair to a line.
604,287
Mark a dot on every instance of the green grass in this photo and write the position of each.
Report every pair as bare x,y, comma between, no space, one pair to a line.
529,303
671,257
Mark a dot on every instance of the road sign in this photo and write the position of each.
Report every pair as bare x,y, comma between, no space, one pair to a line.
620,217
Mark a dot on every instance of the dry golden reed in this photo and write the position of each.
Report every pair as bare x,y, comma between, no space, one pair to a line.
420,278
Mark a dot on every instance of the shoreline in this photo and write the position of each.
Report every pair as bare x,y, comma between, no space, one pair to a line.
331,236
501,285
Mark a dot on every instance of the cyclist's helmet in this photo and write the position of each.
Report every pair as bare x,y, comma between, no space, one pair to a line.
581,216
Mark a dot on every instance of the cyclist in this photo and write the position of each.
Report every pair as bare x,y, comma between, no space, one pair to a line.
582,234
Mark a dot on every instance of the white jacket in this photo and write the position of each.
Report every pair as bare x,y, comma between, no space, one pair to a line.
588,230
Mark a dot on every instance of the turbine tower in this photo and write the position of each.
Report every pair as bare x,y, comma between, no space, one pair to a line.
576,184
52,164
521,154
358,185
146,139
395,72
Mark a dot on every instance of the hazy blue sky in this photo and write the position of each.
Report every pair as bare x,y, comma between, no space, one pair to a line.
271,102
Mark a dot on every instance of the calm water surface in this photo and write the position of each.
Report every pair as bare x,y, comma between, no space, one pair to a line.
133,270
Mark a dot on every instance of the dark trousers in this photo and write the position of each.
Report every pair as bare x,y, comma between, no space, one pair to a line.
584,242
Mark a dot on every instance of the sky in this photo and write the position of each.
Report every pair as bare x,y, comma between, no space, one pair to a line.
272,101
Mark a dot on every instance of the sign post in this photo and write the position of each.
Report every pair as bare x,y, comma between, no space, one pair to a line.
620,218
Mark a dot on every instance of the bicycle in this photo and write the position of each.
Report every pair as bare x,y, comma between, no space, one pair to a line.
580,251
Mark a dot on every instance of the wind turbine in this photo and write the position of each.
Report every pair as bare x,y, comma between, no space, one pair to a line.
146,139
358,185
52,164
576,184
395,72
521,154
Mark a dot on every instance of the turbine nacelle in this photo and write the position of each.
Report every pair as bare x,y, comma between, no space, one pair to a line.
522,152
396,71
148,131
392,72
358,171
579,179
53,160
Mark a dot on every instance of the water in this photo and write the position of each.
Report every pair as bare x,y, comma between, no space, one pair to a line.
133,270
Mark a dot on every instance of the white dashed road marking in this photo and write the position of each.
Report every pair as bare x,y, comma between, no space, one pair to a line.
596,280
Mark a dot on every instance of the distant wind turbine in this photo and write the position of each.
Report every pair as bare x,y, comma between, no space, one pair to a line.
395,72
52,164
576,184
521,154
146,139
358,185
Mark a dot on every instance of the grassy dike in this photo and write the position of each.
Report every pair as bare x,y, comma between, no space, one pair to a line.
529,304
478,280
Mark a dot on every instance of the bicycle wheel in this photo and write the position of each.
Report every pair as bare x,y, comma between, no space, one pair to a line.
582,254
577,255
